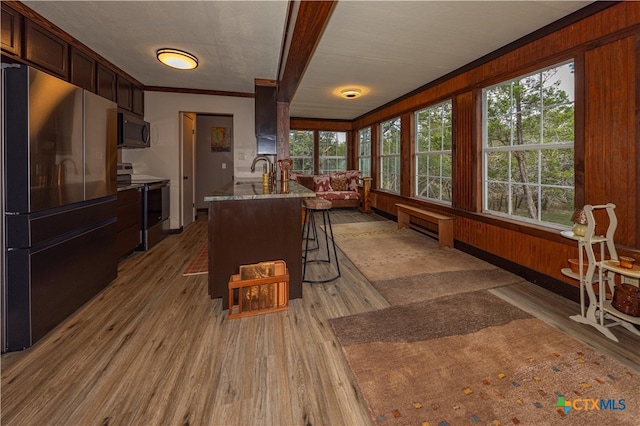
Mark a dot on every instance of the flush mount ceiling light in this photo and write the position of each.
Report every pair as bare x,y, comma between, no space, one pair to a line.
175,58
350,93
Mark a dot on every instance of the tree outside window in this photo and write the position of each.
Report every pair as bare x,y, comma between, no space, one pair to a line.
301,151
528,137
390,155
364,152
433,159
332,152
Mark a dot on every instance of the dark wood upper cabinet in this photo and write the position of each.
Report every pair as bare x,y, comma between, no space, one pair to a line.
11,26
46,50
124,93
105,82
137,106
83,70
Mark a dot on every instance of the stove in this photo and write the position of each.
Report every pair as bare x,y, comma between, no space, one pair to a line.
148,179
155,204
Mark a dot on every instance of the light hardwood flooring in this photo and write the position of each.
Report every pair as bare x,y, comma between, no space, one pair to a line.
154,349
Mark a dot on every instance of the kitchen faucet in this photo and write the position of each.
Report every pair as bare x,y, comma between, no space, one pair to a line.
258,158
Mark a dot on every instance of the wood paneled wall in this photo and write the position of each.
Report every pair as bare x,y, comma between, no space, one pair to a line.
466,154
610,140
604,47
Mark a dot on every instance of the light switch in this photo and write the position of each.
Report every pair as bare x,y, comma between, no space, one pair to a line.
224,165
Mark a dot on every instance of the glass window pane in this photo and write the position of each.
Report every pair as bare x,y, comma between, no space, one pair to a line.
364,152
528,136
447,189
421,186
557,167
524,166
498,132
498,197
332,148
301,151
524,201
557,205
433,151
390,155
498,166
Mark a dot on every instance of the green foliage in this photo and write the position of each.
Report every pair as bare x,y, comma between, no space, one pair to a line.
390,155
301,150
433,152
535,112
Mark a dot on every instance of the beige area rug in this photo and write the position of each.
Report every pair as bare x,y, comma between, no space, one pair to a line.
406,266
473,358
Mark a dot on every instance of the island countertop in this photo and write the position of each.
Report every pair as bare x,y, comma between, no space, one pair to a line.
242,189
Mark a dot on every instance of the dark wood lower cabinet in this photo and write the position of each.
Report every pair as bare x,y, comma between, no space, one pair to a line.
243,232
129,221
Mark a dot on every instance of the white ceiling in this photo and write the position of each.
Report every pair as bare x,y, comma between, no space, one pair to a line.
388,47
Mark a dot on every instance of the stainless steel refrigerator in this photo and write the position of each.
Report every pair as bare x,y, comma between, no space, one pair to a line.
59,149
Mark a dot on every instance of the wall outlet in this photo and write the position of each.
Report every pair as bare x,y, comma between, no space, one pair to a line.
242,156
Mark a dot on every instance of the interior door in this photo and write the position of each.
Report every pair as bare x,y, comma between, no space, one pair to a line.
188,164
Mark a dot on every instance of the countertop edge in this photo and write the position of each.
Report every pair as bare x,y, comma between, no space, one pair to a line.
253,190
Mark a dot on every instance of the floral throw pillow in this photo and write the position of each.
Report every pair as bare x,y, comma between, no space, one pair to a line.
322,183
339,183
352,180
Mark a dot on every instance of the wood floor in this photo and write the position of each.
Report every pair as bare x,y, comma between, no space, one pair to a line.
154,349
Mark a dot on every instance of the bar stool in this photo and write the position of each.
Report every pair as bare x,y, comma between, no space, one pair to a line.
312,207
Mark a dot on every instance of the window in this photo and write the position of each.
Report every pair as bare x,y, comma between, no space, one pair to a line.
528,136
364,152
390,155
301,151
332,152
433,153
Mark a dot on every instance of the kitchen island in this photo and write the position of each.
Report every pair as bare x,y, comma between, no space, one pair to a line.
250,223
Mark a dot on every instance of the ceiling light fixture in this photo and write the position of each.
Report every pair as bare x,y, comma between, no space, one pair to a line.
350,93
175,58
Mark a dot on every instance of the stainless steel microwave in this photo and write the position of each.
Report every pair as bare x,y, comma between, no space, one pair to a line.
133,132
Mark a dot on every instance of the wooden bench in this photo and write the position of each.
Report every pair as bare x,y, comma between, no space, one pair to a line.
444,223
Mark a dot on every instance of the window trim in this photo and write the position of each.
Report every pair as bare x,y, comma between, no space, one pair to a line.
312,158
539,147
418,154
359,152
397,155
346,152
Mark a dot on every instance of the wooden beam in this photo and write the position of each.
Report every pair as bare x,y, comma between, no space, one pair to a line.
309,24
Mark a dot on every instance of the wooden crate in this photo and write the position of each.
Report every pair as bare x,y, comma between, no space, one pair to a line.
259,289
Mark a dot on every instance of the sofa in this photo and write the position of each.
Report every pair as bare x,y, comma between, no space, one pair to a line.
341,188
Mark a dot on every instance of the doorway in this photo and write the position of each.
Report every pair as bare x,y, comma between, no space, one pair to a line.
188,206
214,154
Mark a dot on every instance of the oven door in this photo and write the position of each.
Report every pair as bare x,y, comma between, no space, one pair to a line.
157,204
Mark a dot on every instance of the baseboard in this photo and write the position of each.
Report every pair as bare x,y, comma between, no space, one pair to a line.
549,283
385,214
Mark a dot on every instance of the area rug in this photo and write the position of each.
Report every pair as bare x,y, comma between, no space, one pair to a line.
472,358
200,262
406,266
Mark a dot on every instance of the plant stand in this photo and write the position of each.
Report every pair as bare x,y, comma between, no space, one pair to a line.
596,308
